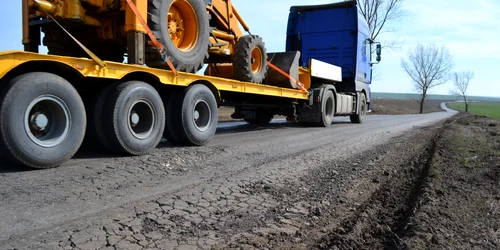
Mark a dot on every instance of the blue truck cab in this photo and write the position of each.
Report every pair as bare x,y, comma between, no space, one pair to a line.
338,35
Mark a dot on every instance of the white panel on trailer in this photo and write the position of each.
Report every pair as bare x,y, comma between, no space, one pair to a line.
325,70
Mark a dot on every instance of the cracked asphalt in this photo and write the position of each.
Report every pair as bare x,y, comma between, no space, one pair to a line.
188,198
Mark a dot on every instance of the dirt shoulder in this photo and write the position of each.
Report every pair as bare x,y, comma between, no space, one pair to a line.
401,107
446,197
460,201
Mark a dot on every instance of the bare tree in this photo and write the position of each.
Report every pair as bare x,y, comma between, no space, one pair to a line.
378,13
461,80
428,66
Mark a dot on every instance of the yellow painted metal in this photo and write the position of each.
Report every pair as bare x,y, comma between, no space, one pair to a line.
45,6
223,35
182,25
305,77
26,13
226,17
132,22
89,68
256,60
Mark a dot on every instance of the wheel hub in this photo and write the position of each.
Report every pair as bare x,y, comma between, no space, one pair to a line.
134,118
256,60
202,116
142,119
182,23
47,121
39,121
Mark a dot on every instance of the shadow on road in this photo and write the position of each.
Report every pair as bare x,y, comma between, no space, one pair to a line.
224,128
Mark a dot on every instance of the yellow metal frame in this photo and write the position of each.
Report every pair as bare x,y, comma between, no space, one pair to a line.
132,22
89,68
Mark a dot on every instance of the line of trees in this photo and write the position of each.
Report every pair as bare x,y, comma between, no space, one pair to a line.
430,66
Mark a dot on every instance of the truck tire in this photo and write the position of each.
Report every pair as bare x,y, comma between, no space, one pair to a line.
362,112
261,118
42,120
134,118
182,26
328,109
198,116
173,103
95,137
250,59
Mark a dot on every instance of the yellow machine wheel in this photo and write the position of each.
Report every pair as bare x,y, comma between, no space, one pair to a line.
182,26
250,59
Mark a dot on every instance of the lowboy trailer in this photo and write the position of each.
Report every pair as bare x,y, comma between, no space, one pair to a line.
50,103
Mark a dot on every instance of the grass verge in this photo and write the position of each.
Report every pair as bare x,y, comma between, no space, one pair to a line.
479,108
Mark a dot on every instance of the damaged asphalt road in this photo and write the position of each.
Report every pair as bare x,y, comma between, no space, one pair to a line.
250,185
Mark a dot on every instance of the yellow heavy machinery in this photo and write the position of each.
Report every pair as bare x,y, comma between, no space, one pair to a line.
193,33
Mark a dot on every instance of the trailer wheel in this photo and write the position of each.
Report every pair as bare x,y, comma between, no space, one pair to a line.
42,120
134,118
198,116
173,103
182,26
328,109
250,59
261,118
96,137
362,112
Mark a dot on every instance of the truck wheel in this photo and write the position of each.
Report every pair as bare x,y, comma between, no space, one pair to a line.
42,120
95,137
250,59
362,112
328,107
134,118
173,103
198,115
261,118
182,26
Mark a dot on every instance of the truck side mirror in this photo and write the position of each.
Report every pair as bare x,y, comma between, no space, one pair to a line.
377,50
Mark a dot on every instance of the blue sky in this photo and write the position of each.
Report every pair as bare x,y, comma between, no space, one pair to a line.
470,29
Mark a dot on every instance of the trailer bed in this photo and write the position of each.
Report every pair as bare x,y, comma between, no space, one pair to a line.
89,68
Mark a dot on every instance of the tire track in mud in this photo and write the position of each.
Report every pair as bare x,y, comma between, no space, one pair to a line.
366,205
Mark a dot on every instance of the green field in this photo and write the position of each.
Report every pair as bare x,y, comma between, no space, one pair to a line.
487,109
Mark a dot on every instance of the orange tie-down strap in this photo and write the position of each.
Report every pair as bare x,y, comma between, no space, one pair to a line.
301,86
154,41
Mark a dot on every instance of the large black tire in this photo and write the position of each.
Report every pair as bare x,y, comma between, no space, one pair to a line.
95,137
198,117
173,105
42,120
261,118
362,112
328,109
190,52
134,118
250,59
